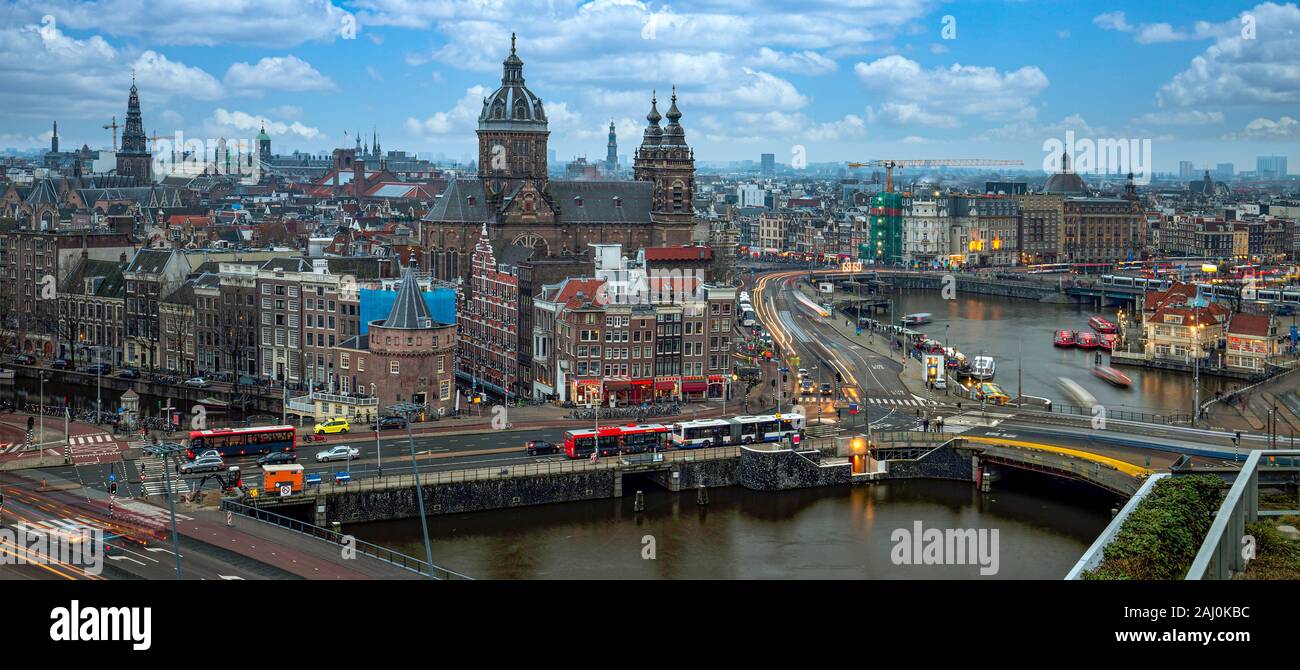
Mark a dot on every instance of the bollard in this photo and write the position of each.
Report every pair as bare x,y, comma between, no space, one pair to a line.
701,495
638,505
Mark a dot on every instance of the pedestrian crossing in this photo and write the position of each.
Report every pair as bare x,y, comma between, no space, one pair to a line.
10,447
97,438
900,402
151,469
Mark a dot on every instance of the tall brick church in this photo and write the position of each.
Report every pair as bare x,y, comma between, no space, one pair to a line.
522,206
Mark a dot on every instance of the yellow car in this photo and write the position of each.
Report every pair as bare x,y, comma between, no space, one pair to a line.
992,392
339,425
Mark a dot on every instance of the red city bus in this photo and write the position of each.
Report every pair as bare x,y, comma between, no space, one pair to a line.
243,441
632,439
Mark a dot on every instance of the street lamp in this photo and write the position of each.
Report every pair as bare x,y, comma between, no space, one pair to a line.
173,450
408,410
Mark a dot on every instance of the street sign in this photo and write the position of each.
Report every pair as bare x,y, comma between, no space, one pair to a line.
112,477
286,490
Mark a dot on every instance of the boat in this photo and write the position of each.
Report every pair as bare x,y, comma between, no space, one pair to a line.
1109,341
1064,338
982,367
992,393
916,319
1077,393
6,374
1112,376
953,359
1102,325
1088,341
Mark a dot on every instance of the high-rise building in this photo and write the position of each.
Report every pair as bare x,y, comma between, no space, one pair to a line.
1270,167
1224,170
768,165
1185,169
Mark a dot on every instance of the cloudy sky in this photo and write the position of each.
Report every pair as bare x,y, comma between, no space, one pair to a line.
853,80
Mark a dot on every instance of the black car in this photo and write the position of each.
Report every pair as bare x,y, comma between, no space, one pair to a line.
24,359
535,447
99,369
278,458
389,423
129,373
62,364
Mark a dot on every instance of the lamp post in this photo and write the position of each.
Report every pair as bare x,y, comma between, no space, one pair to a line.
408,410
379,454
166,450
1196,374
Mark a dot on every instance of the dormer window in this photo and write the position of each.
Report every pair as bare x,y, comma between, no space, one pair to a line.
618,201
577,200
470,200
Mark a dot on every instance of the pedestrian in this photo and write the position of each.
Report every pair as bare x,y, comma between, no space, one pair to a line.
926,424
940,430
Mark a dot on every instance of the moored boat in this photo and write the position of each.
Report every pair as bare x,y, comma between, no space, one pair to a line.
1109,341
1063,338
1112,376
1102,325
982,367
1087,341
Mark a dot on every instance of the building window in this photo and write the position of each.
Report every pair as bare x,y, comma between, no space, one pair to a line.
393,368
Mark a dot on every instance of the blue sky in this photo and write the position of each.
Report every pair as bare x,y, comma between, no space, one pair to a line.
1206,82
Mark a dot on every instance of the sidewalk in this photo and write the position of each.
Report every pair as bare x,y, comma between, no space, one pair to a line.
1248,410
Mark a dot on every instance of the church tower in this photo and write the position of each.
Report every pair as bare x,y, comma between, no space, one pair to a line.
665,159
134,159
512,128
54,139
264,147
611,152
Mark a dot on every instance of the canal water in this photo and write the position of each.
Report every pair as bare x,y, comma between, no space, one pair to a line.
1043,526
1018,334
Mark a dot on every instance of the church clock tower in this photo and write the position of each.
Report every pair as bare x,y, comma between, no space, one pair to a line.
665,159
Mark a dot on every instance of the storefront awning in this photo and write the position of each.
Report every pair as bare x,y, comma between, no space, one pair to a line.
694,387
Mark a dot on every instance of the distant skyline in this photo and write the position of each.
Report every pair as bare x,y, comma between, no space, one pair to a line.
830,81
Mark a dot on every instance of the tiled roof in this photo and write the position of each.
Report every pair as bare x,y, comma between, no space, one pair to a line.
1249,324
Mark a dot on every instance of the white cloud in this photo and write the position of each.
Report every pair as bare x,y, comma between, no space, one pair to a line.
225,123
282,23
286,73
797,127
905,114
1238,71
43,68
1285,128
802,62
1112,21
1190,117
940,95
461,119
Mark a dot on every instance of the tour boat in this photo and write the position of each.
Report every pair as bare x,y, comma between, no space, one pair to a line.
1076,393
982,367
1088,341
991,392
1064,338
1113,376
1102,325
916,319
1109,340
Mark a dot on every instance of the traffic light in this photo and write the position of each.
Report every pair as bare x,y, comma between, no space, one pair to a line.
839,378
112,488
784,378
31,421
1236,439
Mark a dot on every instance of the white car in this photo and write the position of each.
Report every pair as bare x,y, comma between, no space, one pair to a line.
339,453
196,382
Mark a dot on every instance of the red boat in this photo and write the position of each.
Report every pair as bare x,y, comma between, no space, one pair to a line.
1088,341
1064,338
1112,376
1102,325
1109,340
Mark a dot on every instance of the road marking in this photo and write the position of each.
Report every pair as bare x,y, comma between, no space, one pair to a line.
229,577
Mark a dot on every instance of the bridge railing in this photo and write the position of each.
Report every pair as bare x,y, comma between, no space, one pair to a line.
1221,555
1122,414
373,550
563,466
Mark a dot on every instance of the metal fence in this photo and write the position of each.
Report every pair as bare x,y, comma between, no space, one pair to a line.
1221,555
1122,414
373,550
565,466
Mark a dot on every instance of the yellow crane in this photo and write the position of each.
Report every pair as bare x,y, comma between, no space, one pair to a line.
890,164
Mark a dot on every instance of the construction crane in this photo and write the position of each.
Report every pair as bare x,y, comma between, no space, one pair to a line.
889,165
114,126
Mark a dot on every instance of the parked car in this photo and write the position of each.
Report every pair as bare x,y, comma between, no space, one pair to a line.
535,447
129,373
99,369
207,462
196,382
389,423
62,364
25,359
338,425
279,458
339,453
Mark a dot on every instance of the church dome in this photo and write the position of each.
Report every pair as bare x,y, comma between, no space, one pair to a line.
1065,182
512,107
